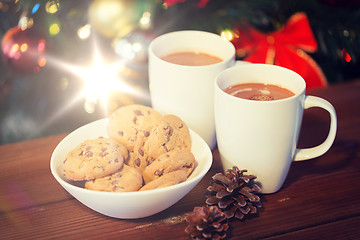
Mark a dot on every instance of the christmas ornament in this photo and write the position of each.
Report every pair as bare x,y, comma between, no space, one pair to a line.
235,193
23,50
286,47
113,18
207,223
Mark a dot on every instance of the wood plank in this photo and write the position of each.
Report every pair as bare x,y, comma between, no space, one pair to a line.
341,229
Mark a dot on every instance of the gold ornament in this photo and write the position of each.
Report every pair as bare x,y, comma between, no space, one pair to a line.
113,17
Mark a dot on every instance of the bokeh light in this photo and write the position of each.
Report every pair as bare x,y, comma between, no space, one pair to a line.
25,22
24,47
35,8
84,32
145,20
346,56
54,29
52,6
227,34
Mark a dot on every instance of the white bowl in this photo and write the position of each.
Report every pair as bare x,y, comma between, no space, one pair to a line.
127,205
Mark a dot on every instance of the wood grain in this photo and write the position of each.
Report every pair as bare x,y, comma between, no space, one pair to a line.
319,199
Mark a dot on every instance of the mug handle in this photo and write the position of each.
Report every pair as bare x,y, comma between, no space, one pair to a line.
308,153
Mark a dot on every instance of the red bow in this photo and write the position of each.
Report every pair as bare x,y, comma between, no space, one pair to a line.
285,47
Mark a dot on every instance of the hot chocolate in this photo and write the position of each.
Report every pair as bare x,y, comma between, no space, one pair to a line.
259,91
192,58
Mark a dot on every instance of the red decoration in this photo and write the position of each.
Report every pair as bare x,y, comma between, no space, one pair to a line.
285,47
23,50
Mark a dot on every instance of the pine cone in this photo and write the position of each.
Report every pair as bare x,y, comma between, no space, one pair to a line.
234,193
207,223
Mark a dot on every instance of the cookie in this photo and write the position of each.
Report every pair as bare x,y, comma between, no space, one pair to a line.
126,122
178,159
166,180
162,139
184,139
171,133
127,179
92,159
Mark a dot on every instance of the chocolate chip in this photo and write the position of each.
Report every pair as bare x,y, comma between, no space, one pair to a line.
169,132
120,133
104,154
138,112
114,161
134,120
166,149
88,154
149,161
137,162
141,152
188,165
146,134
159,172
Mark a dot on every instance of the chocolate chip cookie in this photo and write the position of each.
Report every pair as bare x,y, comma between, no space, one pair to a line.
127,179
166,180
92,159
177,159
126,123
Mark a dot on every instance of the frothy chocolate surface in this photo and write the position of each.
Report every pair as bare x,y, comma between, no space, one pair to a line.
259,91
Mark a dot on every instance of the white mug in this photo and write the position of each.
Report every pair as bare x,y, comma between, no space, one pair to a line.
261,136
188,91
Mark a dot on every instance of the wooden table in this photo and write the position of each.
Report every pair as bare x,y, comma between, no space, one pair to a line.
320,197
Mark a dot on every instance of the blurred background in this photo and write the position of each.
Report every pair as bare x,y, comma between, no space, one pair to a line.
66,63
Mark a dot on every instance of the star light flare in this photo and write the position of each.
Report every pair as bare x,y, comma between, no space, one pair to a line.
99,80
